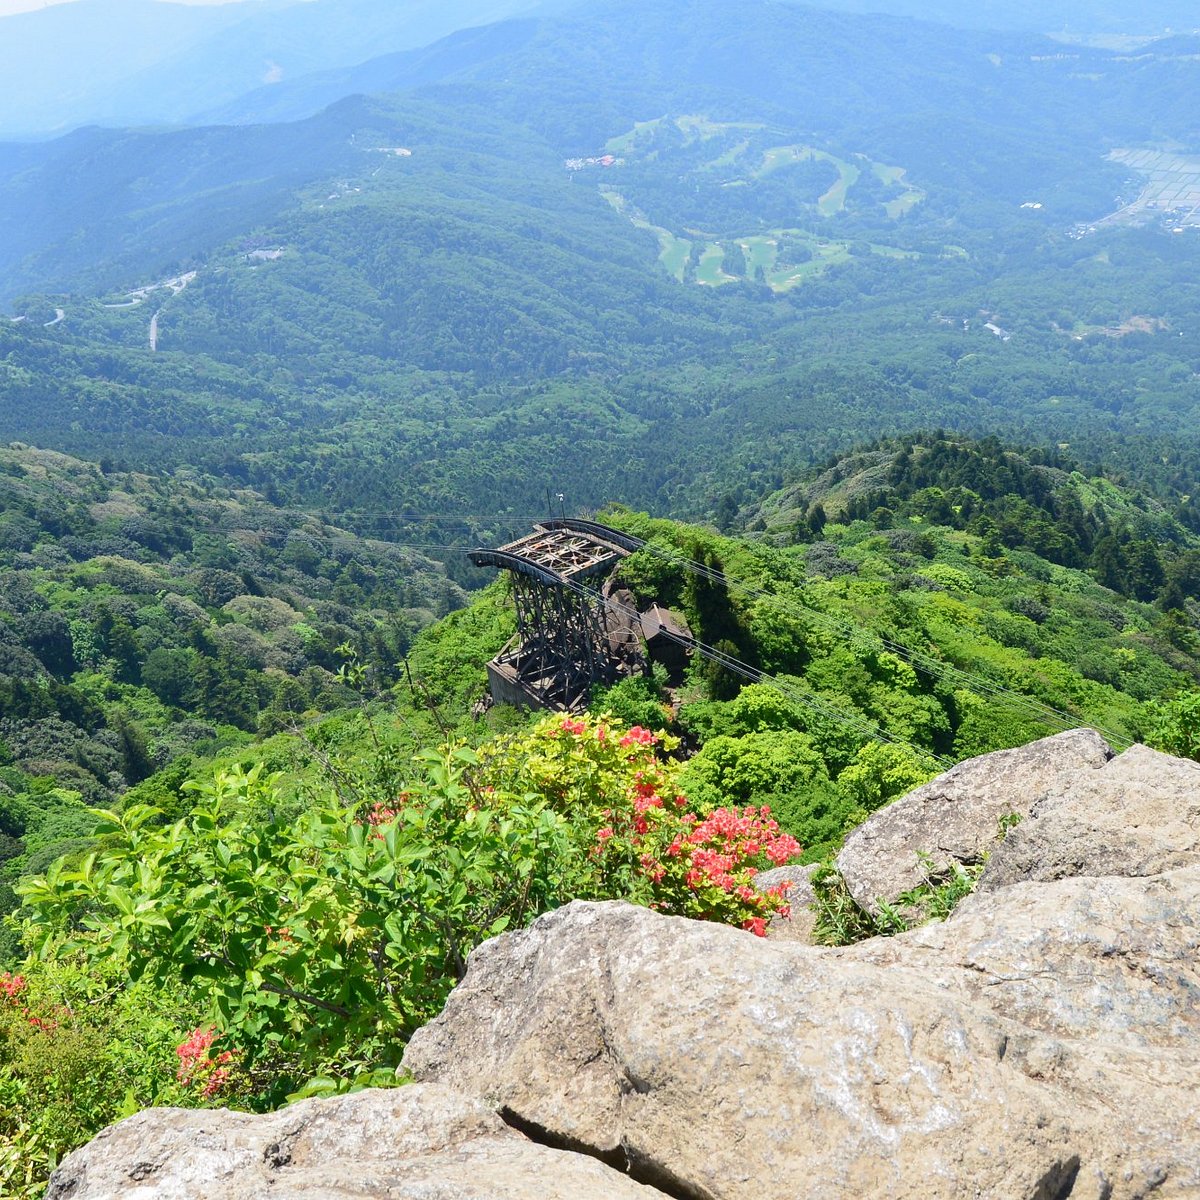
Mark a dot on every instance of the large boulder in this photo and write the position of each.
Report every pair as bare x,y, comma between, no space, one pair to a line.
957,817
422,1142
1104,961
1041,1044
724,1067
1138,815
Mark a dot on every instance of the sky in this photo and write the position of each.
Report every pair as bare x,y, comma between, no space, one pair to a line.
8,7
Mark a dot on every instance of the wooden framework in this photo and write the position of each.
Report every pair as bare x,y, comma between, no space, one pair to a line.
567,637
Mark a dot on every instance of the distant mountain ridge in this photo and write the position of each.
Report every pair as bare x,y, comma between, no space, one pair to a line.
1041,16
138,62
1033,117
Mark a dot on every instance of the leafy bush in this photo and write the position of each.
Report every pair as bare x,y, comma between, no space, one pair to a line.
881,772
80,1047
636,700
319,943
1175,726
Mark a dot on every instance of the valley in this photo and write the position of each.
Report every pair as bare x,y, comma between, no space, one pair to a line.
885,381
1171,189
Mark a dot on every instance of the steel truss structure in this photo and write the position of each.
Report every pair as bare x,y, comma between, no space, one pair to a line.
568,638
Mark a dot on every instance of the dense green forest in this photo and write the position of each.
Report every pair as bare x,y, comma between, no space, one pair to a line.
770,271
909,605
146,622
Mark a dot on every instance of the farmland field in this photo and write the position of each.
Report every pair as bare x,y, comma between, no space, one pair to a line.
1171,186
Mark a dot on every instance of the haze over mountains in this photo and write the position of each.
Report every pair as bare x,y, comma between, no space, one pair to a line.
142,62
139,62
1083,17
661,250
1032,118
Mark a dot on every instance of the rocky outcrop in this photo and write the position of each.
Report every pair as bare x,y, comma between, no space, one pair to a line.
422,1142
725,1068
956,817
1041,1044
1138,815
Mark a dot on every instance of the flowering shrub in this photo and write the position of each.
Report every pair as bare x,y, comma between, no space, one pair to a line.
640,841
199,1068
79,1048
320,943
698,868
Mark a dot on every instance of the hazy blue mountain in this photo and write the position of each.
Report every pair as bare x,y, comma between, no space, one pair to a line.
121,62
989,118
60,66
1043,16
101,206
295,99
972,108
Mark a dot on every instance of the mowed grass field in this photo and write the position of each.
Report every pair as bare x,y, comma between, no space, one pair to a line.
708,269
673,250
834,200
907,200
781,276
742,161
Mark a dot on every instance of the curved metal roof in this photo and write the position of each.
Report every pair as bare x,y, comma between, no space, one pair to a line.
560,551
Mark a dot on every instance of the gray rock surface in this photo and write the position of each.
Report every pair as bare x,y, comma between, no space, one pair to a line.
956,817
1137,815
798,925
908,1068
1100,958
422,1142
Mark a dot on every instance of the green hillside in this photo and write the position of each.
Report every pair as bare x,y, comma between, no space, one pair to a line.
303,899
457,330
147,621
701,270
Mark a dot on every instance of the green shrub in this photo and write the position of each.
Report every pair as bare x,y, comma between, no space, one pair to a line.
1175,726
80,1047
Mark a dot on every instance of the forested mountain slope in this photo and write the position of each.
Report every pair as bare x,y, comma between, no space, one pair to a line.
1039,501
147,620
773,266
909,605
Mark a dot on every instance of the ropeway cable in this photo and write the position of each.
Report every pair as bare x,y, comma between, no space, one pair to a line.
802,696
919,661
